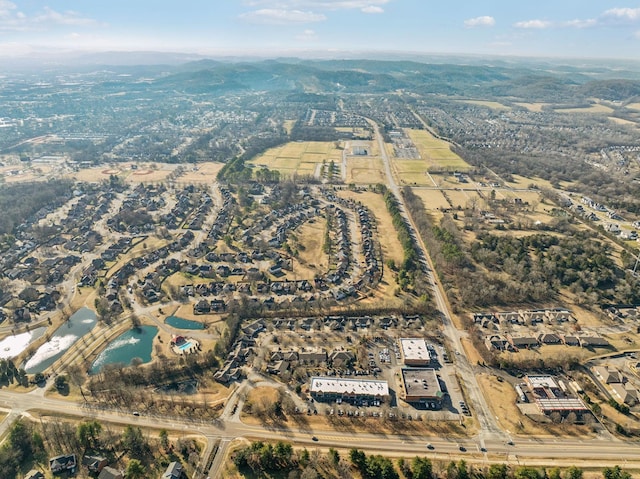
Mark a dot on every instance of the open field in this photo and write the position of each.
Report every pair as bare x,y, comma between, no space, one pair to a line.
595,108
364,170
535,107
436,154
463,198
205,173
622,121
310,236
432,199
489,104
300,157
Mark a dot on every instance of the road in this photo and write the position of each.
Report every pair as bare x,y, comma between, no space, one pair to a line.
600,452
488,426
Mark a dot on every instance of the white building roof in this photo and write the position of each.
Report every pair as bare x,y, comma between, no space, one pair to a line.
349,386
414,349
542,382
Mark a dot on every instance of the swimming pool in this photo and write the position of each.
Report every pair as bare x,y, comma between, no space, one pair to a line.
184,346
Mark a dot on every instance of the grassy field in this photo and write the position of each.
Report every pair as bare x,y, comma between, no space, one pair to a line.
489,104
300,157
436,154
633,106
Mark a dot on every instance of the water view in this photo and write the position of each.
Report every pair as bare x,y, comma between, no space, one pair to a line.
79,324
135,343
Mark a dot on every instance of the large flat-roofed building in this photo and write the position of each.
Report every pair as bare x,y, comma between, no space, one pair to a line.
550,397
415,352
351,390
421,386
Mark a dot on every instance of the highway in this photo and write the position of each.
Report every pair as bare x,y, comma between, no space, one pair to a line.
601,452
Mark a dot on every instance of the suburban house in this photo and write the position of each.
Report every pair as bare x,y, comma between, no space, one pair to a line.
174,471
110,473
33,474
62,463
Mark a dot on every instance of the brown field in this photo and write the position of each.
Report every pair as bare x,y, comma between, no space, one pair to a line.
365,170
432,199
622,121
594,108
311,235
97,174
535,107
489,104
633,106
463,198
206,173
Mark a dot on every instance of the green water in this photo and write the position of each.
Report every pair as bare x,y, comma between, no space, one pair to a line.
135,343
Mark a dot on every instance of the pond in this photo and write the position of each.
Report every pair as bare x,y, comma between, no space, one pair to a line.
79,324
13,345
135,343
181,323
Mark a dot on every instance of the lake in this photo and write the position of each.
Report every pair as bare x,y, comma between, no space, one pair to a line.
135,343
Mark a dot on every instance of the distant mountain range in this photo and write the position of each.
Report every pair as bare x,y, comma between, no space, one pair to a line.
541,80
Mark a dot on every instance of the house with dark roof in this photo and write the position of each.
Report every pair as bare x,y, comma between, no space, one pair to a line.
63,463
110,473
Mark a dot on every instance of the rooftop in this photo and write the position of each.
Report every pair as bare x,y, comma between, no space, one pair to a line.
349,386
422,382
414,349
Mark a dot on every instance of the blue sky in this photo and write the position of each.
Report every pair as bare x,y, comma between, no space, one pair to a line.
558,28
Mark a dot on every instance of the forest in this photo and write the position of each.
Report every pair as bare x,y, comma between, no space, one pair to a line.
265,459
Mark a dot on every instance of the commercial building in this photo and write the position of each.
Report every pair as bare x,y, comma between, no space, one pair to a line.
550,397
422,386
415,352
348,390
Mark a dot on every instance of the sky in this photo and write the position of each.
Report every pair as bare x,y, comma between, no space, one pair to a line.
540,28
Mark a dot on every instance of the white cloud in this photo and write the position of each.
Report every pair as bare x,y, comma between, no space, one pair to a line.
366,6
533,24
622,14
46,19
274,16
579,23
307,36
372,9
484,21
6,7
